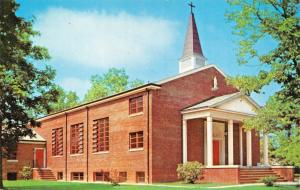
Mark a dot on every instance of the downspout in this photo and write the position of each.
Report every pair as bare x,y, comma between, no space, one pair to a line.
66,148
87,143
148,130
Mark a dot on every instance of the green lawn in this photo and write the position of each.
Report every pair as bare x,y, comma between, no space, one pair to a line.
46,185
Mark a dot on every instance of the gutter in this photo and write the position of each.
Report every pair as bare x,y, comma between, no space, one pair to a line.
148,126
66,148
87,144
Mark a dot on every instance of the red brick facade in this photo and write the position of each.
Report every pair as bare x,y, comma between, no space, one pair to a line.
161,124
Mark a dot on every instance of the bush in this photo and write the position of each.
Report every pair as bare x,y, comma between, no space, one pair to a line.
190,171
268,181
114,177
26,172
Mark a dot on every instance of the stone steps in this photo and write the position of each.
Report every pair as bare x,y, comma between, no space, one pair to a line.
46,174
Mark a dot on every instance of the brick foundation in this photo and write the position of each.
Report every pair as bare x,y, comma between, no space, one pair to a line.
285,171
226,175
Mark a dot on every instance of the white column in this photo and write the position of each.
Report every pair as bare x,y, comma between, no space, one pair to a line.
241,146
230,142
266,149
209,141
249,148
184,141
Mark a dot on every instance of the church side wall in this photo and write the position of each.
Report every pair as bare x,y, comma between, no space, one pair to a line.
118,159
167,104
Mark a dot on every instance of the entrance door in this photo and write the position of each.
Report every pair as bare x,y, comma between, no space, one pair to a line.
216,152
39,157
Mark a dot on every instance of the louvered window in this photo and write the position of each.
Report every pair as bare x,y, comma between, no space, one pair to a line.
101,135
57,142
76,139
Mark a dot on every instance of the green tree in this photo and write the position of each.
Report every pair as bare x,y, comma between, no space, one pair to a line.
26,87
276,20
65,100
112,82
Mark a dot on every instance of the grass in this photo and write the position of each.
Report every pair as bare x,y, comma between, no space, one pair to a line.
46,185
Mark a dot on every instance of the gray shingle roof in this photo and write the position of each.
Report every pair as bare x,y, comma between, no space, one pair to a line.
36,138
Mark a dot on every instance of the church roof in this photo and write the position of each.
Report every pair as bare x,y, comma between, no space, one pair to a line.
189,73
192,42
37,137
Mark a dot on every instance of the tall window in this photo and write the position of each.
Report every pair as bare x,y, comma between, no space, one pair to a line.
136,140
135,105
76,139
57,142
101,135
214,82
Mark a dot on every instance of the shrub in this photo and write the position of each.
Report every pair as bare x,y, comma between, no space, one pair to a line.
26,172
114,177
190,171
268,181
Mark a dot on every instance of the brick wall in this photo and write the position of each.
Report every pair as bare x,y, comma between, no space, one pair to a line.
118,158
255,148
195,140
236,144
221,175
167,103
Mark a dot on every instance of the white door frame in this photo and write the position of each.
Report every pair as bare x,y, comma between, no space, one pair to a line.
34,157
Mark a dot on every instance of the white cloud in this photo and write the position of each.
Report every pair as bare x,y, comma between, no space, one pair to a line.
80,86
104,40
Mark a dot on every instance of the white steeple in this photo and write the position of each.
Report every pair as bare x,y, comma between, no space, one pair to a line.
192,56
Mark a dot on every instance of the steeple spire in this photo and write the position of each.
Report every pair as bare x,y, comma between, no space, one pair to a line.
192,56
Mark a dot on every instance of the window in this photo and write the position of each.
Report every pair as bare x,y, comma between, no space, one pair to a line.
12,155
60,175
57,142
12,176
135,105
136,140
76,139
140,177
101,135
214,83
122,176
77,176
101,176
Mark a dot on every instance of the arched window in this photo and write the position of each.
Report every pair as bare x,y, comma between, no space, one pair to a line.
214,83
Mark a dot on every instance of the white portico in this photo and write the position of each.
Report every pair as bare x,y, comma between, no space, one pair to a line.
225,142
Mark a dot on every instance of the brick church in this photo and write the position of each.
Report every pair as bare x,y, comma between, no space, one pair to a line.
143,134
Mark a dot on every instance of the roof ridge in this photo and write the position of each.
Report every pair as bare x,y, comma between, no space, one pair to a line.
186,73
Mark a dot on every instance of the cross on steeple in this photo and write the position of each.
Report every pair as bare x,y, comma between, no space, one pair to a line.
192,6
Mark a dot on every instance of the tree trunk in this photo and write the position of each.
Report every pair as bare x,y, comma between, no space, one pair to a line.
1,157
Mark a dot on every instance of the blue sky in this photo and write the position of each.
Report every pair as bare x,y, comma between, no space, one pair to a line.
143,36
